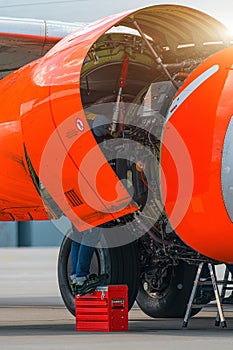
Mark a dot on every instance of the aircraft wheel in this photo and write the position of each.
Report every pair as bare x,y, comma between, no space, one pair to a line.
119,263
172,300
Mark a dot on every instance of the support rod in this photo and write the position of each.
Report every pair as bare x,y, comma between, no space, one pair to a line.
154,53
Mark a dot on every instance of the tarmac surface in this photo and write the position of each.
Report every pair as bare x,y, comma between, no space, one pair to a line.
32,314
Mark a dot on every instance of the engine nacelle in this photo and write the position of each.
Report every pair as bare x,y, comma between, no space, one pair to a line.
48,144
197,158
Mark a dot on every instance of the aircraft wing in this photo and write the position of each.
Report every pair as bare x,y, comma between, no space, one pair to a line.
23,40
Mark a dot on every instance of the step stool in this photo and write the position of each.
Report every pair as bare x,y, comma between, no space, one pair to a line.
220,319
104,310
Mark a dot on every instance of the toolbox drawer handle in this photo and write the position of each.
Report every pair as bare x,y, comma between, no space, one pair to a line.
118,303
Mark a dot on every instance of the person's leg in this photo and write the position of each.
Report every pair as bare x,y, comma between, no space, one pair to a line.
89,242
80,256
74,253
87,283
84,260
75,246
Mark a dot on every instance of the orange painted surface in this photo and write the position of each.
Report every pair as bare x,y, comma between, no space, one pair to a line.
19,199
192,162
44,115
41,109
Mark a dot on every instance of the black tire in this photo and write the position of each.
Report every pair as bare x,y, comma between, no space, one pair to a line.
120,263
171,302
125,269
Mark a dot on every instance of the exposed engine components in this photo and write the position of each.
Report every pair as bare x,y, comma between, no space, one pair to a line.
136,93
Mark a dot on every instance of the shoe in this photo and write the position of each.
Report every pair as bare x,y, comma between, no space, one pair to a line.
90,285
75,286
76,282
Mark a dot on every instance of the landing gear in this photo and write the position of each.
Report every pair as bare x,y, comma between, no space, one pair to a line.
169,296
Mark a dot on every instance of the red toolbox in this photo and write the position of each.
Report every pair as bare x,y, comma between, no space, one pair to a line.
105,310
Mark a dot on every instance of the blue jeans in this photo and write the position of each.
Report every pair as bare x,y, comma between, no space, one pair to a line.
82,253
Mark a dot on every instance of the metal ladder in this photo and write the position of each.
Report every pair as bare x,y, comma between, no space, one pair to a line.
220,319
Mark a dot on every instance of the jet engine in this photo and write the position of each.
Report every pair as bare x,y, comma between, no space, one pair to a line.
158,180
132,74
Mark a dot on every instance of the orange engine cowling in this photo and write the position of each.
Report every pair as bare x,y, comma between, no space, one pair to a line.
197,153
66,157
46,129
